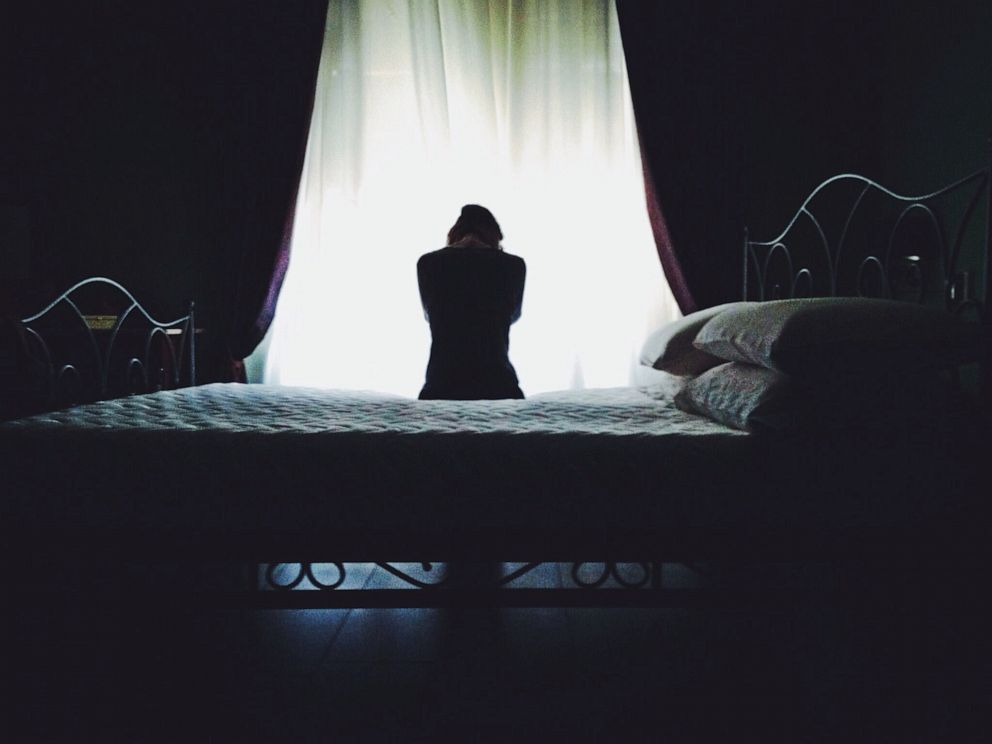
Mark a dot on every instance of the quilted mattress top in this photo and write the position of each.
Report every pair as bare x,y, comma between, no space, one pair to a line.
264,409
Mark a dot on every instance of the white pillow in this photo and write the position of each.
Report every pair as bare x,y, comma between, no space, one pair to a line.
670,348
840,335
743,396
755,398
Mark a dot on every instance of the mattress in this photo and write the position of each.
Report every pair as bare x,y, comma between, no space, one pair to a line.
225,409
228,458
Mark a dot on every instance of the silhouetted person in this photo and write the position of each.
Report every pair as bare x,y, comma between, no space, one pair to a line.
471,291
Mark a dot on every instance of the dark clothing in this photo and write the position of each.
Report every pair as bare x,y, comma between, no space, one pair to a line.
471,296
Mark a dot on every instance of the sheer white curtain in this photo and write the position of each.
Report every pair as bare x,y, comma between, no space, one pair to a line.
425,105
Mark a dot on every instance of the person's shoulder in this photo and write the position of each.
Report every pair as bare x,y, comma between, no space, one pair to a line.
432,257
512,260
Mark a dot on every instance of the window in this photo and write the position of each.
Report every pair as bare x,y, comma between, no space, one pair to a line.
423,106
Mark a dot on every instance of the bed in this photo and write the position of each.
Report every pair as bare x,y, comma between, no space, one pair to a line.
461,500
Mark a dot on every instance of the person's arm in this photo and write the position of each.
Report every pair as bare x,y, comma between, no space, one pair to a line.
424,283
519,276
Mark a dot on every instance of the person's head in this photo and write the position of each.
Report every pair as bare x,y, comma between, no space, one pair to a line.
477,222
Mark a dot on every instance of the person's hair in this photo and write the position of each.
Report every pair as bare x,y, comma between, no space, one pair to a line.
477,221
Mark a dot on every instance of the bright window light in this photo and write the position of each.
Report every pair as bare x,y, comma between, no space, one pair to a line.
422,107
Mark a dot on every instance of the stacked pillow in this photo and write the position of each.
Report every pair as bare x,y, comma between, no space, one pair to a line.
792,363
671,349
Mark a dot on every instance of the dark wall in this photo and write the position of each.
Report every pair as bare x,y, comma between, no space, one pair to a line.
117,150
136,141
745,107
937,112
148,142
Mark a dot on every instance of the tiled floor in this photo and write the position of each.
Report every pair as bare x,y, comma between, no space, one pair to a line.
434,675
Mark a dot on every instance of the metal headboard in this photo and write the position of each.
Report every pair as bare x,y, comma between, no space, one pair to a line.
68,356
852,236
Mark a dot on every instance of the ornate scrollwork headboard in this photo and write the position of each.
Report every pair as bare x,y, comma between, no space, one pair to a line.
92,342
854,237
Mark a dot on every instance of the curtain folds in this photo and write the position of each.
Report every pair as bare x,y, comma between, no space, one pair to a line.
724,123
663,242
639,29
276,100
422,106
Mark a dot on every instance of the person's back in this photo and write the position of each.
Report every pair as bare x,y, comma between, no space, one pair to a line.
471,293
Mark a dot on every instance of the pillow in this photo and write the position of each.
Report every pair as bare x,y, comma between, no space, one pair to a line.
670,348
756,399
831,335
743,396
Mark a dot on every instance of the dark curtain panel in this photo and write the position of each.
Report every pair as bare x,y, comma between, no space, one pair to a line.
670,262
687,137
640,45
282,52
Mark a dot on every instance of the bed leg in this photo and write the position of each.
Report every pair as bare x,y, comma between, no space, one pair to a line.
656,575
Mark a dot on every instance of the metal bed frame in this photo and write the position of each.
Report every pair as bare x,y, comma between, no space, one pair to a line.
68,356
910,248
922,259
